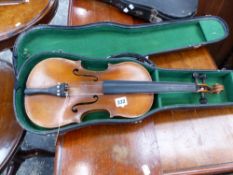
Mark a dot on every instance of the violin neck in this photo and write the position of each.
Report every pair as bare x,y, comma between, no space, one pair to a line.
131,87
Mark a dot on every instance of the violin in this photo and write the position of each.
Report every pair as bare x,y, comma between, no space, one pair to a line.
60,91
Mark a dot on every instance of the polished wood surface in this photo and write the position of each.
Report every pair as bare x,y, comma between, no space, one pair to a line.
222,8
84,12
104,150
10,131
15,19
197,141
56,111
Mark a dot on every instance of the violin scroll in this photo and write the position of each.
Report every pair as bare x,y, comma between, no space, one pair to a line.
217,89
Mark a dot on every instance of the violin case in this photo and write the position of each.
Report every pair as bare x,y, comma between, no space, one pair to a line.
121,43
157,10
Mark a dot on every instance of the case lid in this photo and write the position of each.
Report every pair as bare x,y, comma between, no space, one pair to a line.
101,40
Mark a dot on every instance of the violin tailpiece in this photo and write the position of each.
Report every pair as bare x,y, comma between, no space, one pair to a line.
59,90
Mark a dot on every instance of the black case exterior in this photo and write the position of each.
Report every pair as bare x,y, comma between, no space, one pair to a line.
26,56
156,10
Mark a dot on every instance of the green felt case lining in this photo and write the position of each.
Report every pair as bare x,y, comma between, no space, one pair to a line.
104,39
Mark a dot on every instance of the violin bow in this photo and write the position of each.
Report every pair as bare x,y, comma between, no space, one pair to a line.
12,2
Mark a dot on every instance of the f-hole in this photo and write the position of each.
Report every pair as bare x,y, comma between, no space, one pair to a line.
76,72
75,107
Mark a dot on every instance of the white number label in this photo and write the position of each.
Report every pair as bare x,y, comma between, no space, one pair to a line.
121,102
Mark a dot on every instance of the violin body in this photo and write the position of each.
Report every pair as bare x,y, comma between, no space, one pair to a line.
54,111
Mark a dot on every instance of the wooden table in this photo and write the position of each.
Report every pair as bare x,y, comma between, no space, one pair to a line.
14,19
197,141
11,133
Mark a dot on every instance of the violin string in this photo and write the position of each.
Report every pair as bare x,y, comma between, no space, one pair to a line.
73,94
84,85
60,119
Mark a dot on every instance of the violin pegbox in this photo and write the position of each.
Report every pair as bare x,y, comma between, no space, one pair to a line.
203,88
